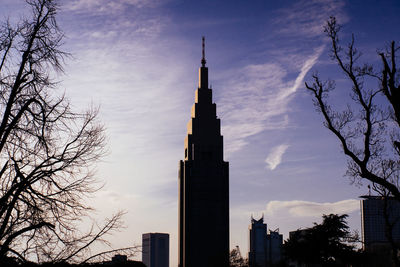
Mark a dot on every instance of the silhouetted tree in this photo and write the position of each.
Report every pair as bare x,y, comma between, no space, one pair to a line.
326,244
236,259
369,128
46,149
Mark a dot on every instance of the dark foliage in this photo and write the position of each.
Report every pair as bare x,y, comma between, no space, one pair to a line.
325,244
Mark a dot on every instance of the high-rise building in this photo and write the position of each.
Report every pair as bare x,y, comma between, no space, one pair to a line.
203,185
265,248
378,216
274,246
258,244
155,249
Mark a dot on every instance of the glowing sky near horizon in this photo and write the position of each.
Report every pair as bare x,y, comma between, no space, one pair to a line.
138,60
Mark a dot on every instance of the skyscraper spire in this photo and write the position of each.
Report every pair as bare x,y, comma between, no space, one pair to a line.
203,185
203,59
203,70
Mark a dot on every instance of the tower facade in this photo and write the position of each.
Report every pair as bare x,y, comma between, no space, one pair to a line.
203,185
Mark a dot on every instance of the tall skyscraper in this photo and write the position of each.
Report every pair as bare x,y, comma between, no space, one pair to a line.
155,249
203,185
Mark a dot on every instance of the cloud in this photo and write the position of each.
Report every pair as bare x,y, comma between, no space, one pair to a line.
140,102
105,6
307,17
300,208
304,69
275,156
260,100
245,109
111,21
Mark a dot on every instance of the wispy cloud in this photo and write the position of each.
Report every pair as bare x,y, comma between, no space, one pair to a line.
275,156
307,17
260,100
114,20
245,109
130,77
300,208
106,6
304,70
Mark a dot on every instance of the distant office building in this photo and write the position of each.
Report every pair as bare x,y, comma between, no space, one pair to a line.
203,185
274,247
155,249
258,243
374,210
265,249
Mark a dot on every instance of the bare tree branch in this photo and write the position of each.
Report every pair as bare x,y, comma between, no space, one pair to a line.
46,149
369,129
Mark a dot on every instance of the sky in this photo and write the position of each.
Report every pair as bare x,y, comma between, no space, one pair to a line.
138,61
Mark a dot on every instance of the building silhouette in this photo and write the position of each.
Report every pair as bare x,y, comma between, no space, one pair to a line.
203,185
155,249
265,248
380,216
274,247
258,244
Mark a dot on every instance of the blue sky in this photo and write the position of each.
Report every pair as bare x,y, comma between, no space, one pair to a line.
138,61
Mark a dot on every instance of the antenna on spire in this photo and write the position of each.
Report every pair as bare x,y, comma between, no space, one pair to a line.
203,59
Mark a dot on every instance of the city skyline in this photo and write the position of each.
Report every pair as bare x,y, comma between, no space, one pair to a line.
138,61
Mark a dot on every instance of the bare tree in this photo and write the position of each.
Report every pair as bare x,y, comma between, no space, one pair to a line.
369,128
46,149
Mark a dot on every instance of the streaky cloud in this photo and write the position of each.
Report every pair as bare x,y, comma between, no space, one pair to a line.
301,208
308,64
260,100
105,6
306,18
